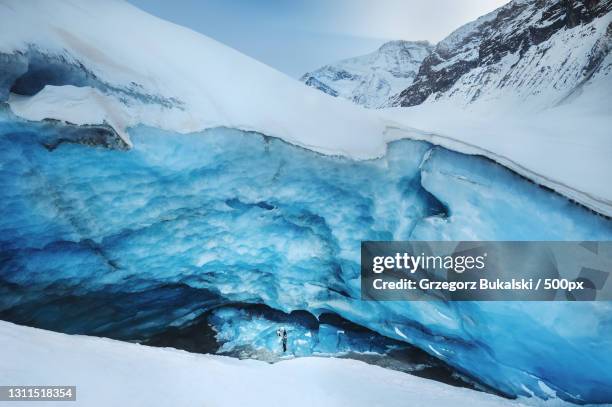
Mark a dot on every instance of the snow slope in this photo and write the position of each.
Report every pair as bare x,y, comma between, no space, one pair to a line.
111,373
201,82
370,80
71,67
567,148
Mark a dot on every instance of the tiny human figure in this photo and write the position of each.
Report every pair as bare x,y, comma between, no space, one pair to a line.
282,333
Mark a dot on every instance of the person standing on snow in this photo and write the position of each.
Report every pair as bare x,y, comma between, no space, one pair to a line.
282,333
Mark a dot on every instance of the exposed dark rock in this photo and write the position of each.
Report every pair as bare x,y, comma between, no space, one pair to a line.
315,83
102,135
511,29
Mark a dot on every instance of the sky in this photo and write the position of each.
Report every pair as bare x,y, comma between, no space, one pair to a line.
297,36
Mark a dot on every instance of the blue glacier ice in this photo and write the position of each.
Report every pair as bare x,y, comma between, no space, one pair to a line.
126,244
241,329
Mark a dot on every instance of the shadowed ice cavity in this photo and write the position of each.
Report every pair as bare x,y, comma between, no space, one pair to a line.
128,244
28,71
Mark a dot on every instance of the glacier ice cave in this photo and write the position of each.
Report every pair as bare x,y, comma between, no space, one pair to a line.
246,232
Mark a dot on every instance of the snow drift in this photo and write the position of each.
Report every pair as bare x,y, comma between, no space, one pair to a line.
110,373
187,82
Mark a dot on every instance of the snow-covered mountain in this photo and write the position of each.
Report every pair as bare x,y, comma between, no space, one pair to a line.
534,53
370,80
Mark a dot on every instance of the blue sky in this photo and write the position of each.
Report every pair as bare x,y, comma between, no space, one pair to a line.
296,36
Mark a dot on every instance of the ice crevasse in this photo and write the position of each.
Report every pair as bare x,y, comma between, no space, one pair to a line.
100,240
129,231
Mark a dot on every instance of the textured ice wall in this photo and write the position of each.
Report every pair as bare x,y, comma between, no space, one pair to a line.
127,243
243,331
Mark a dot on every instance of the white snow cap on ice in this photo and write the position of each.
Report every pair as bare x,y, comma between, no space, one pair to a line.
213,85
162,75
